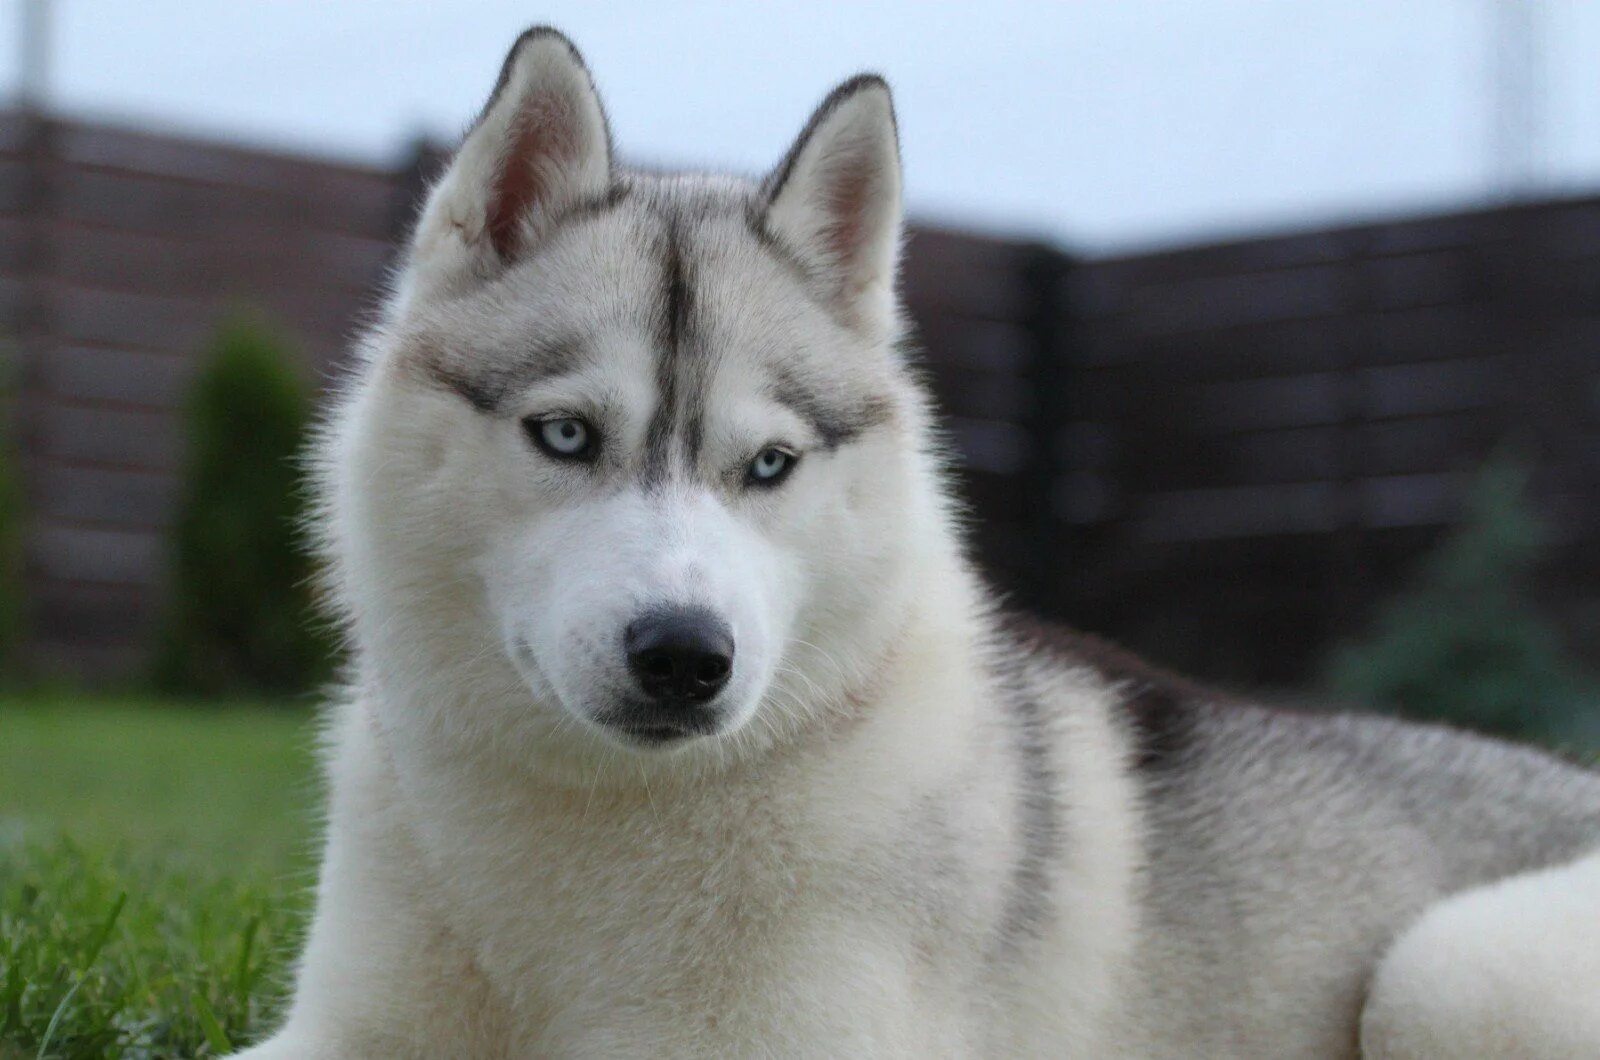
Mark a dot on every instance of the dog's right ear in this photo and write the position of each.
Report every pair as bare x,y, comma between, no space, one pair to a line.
540,148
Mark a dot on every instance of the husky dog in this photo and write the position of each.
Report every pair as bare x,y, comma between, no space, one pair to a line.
680,725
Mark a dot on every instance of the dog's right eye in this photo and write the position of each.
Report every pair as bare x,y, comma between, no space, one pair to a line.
563,437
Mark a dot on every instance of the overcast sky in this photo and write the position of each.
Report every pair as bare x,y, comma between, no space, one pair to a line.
1105,124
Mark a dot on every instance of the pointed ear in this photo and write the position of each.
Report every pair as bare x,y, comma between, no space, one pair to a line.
835,202
540,148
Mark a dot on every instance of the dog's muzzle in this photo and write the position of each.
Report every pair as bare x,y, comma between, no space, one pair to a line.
680,660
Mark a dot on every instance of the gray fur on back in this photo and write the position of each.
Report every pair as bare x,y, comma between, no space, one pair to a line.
1285,851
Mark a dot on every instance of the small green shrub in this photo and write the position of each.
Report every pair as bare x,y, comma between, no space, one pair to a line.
239,612
1464,644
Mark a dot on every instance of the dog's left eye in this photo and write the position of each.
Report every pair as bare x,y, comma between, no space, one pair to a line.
771,466
563,437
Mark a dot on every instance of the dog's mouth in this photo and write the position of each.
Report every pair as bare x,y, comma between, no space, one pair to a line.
641,728
655,735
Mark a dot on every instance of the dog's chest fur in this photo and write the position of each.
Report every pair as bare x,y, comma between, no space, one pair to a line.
742,915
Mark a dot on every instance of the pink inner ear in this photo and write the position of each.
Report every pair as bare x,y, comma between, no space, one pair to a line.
543,143
850,187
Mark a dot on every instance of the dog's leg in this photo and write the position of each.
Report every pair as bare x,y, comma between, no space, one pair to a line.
1508,970
381,975
379,979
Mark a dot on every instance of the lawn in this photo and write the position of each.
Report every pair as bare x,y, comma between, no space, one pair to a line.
154,861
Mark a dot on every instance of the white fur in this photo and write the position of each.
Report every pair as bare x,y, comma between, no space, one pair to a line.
1510,971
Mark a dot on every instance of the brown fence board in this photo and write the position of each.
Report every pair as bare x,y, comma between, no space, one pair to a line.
13,131
121,318
1263,348
1212,303
947,338
103,496
1113,277
1432,333
332,264
14,186
13,293
118,374
1238,511
147,441
1424,499
96,554
343,196
87,614
140,202
1438,278
1430,443
965,274
183,324
1438,387
961,391
14,234
993,446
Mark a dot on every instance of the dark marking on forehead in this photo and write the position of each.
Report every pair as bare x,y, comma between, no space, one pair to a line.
474,391
680,382
836,422
679,296
487,389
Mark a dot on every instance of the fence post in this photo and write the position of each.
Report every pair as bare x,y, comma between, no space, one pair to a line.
1050,323
34,331
1346,586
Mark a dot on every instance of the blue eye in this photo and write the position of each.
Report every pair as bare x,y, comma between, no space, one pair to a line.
771,466
563,437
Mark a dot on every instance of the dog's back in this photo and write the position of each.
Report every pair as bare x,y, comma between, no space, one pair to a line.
1285,851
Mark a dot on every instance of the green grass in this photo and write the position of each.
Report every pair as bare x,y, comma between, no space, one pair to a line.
154,861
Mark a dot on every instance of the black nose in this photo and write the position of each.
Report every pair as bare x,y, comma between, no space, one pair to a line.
680,656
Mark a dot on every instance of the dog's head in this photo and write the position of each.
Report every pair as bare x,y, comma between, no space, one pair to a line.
635,461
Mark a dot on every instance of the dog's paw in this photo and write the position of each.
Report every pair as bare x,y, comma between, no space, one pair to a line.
1508,971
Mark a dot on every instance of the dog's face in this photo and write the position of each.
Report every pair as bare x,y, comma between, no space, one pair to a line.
647,434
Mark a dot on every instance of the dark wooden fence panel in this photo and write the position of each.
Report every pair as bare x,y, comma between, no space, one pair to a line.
120,252
975,336
1271,431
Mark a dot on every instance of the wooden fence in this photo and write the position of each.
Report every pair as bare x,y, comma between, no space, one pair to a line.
122,251
1223,455
1260,438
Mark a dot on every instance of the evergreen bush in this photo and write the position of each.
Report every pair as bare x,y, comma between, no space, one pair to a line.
239,614
1465,644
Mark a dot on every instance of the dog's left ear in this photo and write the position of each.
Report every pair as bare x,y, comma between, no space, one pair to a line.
834,201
